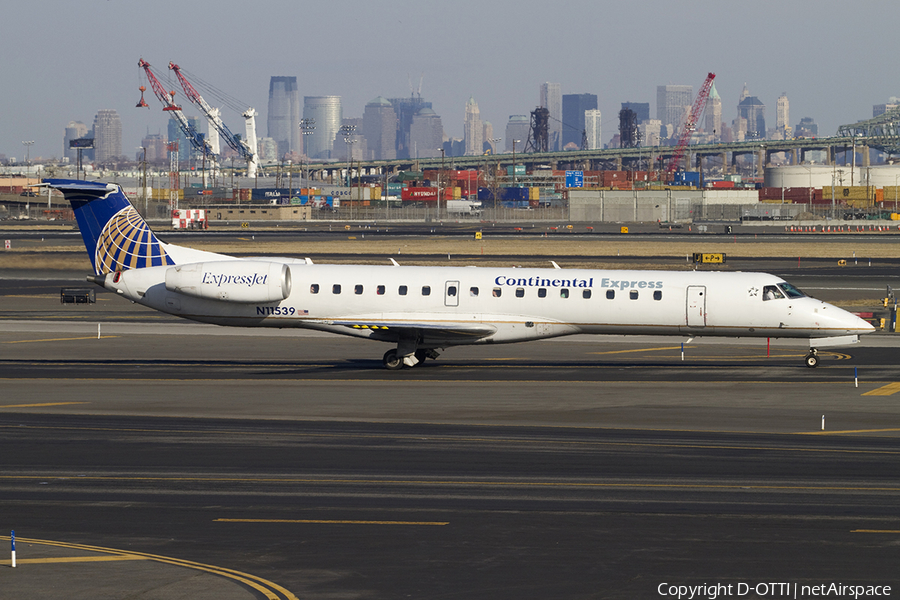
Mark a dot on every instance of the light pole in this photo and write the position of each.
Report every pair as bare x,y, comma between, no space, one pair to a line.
347,132
144,178
895,191
307,127
28,146
491,141
514,164
440,181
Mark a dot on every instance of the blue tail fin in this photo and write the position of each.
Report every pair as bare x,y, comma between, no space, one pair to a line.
115,235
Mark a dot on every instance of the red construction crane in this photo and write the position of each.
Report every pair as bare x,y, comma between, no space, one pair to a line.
690,124
168,100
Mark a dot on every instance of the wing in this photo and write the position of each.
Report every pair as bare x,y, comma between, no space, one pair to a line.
428,333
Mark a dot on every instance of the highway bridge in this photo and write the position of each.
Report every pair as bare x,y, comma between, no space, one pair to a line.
837,148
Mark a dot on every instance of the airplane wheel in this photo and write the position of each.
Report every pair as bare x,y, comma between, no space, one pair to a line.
421,355
812,360
392,361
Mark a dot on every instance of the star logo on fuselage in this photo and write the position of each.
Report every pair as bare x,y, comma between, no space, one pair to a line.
753,292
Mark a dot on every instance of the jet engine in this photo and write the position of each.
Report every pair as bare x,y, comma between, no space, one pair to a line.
232,281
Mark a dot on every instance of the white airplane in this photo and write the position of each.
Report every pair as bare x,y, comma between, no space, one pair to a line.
423,310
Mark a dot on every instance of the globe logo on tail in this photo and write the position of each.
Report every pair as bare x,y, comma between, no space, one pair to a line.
126,242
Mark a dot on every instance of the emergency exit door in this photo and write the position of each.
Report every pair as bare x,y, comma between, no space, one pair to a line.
451,293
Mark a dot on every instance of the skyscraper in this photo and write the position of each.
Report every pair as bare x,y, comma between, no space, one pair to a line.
406,109
267,148
186,152
879,109
672,104
754,111
474,131
782,115
807,128
640,109
154,146
650,132
593,129
380,130
426,134
283,119
486,137
714,114
326,111
350,147
551,99
573,107
74,130
517,130
107,136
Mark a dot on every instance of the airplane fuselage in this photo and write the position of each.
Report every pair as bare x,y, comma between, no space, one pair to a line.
506,304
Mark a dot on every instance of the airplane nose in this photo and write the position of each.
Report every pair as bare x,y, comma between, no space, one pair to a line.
857,324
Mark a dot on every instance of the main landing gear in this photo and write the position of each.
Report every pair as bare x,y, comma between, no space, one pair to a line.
393,360
812,359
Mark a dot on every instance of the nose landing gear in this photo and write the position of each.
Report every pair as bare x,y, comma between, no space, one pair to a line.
812,359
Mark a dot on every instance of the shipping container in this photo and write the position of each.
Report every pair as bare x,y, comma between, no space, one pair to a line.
419,194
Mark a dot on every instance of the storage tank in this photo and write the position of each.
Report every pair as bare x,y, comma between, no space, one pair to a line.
881,176
816,176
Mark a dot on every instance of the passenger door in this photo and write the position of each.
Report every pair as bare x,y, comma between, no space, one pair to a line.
696,306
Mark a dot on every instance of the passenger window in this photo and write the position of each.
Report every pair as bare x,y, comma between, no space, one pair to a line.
497,292
451,291
633,294
586,294
610,294
657,295
336,288
426,290
314,288
564,293
473,291
380,290
542,292
402,290
771,292
520,292
358,289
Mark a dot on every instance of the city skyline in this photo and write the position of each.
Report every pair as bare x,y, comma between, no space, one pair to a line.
50,93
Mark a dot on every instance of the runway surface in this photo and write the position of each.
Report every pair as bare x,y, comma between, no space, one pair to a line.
573,468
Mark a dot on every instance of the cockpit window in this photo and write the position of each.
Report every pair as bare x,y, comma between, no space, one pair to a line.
790,291
771,292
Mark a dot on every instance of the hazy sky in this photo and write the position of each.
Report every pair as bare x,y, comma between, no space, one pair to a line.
64,60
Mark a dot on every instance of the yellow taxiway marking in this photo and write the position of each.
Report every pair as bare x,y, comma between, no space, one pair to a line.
269,589
72,559
638,350
331,522
90,337
885,390
40,405
846,431
875,531
835,355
